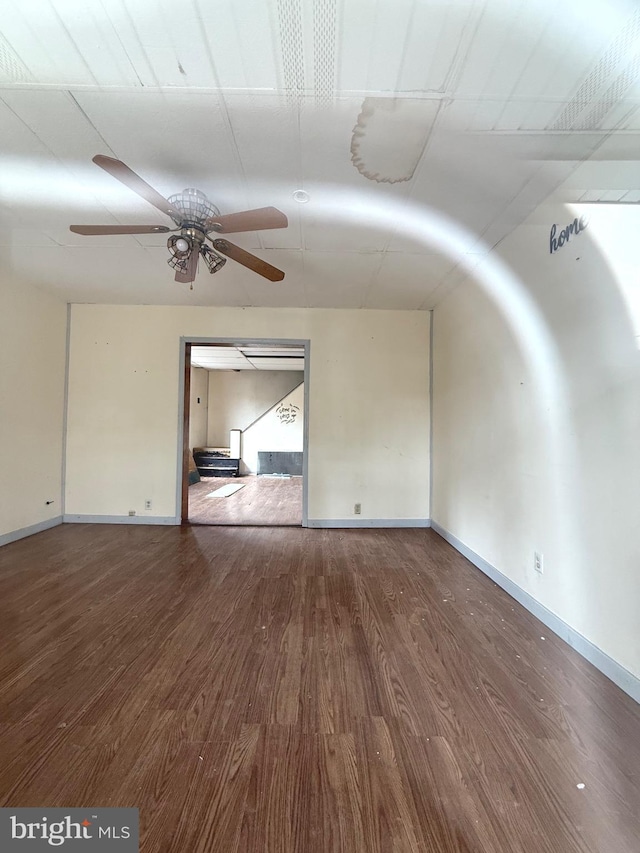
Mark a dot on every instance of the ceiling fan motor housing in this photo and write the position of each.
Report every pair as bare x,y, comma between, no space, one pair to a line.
194,206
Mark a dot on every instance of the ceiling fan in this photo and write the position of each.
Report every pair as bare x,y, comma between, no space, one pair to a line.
196,218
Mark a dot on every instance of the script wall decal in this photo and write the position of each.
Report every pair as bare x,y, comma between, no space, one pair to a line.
287,414
558,239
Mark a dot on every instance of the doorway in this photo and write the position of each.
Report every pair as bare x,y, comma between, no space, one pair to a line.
244,432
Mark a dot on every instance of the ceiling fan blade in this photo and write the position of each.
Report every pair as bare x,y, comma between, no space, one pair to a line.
259,219
119,229
248,260
192,267
120,171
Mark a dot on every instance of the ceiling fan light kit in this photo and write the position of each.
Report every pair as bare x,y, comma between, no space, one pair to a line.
179,246
195,218
212,259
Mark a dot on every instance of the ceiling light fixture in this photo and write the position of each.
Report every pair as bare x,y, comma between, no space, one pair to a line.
179,246
301,196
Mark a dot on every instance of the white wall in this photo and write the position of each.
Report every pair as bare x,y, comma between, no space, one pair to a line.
270,433
515,471
368,409
237,399
32,367
198,407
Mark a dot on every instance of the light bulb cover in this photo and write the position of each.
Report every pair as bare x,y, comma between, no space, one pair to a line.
179,246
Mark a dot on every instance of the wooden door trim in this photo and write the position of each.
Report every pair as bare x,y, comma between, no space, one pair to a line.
186,406
182,482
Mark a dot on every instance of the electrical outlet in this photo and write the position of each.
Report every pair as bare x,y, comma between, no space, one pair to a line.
132,512
537,562
357,509
147,504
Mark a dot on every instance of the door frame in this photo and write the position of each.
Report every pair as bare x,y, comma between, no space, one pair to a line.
184,401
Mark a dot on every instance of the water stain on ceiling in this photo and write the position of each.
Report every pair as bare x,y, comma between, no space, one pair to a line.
390,137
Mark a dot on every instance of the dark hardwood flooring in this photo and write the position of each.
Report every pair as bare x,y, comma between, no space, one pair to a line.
268,501
271,690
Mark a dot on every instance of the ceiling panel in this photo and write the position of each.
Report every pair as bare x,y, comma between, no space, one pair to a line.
406,46
169,42
19,233
250,100
55,118
278,363
100,47
19,142
633,121
523,25
172,139
406,280
45,46
437,38
226,357
527,115
371,36
266,133
524,49
610,174
219,357
489,53
345,276
272,351
87,275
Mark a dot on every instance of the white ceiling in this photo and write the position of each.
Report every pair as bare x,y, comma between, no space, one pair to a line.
472,111
254,357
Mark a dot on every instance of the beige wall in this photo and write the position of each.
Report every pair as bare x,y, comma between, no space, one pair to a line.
237,399
270,433
32,368
368,409
198,407
517,469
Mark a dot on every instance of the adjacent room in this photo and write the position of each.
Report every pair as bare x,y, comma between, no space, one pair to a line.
246,434
320,406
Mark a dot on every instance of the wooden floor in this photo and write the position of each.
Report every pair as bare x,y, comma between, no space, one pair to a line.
273,501
269,690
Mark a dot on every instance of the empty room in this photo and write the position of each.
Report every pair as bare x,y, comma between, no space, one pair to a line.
319,434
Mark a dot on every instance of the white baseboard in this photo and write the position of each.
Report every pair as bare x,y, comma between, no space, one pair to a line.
120,519
6,538
625,680
369,522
